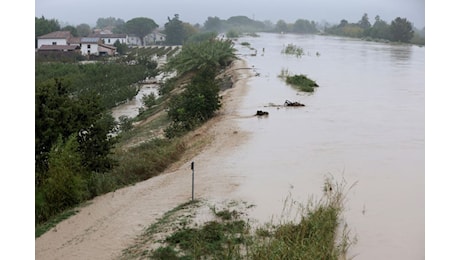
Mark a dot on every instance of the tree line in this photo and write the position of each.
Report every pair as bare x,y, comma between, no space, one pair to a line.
178,32
399,30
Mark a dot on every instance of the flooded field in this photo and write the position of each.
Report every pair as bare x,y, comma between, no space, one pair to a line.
364,124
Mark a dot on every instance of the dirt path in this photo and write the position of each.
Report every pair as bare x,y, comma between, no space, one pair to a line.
111,222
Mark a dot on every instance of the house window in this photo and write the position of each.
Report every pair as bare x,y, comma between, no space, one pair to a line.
89,46
108,40
54,43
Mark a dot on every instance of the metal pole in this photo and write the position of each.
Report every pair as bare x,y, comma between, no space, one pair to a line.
193,180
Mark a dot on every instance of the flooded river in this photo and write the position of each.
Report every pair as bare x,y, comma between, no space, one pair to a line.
365,124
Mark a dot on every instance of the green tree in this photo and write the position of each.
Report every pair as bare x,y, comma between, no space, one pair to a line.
71,29
108,22
364,22
94,132
213,24
44,26
65,187
203,55
83,30
53,108
343,23
281,26
58,112
175,31
122,48
401,30
190,30
141,27
195,105
303,26
380,29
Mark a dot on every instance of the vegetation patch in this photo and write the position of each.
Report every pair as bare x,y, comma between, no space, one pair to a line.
300,81
43,228
292,49
230,235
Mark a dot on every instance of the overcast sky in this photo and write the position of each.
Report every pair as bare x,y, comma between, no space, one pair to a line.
197,11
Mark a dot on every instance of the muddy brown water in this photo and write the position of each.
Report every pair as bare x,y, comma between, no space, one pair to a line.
131,108
364,124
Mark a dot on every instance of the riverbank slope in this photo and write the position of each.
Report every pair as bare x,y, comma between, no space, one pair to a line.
111,222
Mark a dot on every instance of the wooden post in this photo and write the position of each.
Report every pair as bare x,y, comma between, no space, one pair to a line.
193,180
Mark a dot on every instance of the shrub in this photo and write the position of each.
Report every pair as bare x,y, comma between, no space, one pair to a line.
149,100
195,105
302,82
65,187
292,49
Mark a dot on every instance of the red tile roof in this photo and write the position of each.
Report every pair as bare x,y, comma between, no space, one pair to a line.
57,35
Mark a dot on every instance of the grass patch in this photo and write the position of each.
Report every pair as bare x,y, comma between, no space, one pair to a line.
42,228
300,81
292,49
315,234
170,218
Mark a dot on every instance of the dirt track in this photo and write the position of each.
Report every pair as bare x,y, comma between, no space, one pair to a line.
111,222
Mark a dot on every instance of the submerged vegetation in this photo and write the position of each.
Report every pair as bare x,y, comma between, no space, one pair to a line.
300,81
292,49
318,232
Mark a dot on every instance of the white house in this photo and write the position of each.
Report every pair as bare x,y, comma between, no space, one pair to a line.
150,39
133,40
55,38
110,39
89,45
159,37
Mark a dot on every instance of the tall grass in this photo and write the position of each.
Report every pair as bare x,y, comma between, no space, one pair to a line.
316,231
292,49
315,236
300,81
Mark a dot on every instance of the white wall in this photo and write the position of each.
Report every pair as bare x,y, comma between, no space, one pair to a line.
111,41
41,42
92,50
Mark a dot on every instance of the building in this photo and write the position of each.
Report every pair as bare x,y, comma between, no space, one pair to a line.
63,41
55,38
110,39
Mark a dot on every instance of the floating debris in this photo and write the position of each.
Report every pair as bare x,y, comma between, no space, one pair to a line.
261,113
293,104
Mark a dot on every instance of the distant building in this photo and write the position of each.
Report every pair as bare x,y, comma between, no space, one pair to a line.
89,45
154,38
54,38
110,39
63,41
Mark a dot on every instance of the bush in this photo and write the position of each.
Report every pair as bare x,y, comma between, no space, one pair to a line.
292,49
149,100
195,105
65,187
302,82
